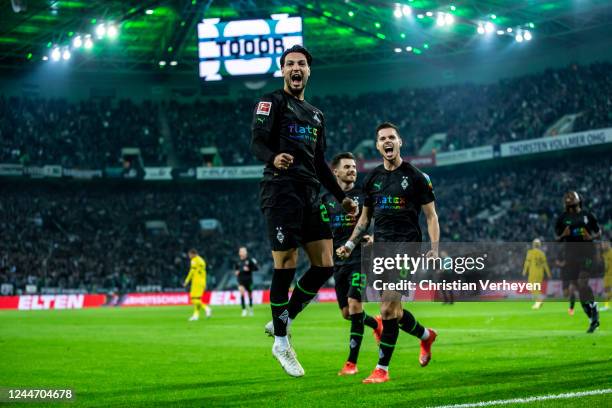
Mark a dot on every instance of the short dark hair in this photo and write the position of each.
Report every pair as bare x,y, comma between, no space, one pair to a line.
345,155
296,48
387,125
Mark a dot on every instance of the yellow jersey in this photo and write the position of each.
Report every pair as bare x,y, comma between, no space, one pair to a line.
197,273
536,265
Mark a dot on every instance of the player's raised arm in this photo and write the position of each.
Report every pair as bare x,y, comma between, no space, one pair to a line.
360,229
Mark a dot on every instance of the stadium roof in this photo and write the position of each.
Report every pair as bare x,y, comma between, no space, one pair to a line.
335,31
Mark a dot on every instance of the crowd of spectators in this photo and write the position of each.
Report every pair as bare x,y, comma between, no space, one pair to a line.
89,134
94,236
92,133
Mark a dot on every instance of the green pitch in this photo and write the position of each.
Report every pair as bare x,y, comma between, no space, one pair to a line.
153,357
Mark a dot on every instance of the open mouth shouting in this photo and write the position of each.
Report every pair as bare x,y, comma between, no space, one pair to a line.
389,150
296,79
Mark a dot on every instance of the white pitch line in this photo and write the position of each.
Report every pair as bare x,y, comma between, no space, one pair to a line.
529,399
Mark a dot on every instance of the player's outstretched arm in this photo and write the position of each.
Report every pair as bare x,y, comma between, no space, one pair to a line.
360,228
433,228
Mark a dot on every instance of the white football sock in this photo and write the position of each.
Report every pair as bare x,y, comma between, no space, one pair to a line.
281,342
425,335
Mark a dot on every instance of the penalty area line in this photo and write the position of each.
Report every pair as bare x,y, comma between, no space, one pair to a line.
526,400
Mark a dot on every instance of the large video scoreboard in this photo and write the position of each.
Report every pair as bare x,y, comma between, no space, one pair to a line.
245,47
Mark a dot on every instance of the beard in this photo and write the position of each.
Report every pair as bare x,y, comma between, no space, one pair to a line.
295,91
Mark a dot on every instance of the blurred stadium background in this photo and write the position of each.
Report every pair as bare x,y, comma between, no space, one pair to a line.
124,141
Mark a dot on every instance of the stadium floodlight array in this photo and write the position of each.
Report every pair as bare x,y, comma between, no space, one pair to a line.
59,52
445,18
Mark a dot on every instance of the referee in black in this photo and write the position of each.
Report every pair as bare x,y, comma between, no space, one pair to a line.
288,135
243,269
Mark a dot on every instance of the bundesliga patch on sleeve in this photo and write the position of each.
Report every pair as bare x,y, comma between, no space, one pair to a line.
263,108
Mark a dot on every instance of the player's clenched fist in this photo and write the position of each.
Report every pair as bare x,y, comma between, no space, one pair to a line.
350,206
345,250
282,161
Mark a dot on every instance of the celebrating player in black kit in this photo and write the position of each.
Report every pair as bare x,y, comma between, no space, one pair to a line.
244,269
578,228
347,275
288,135
396,192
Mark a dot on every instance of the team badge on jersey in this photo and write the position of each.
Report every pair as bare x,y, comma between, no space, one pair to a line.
404,182
316,118
263,108
356,200
279,234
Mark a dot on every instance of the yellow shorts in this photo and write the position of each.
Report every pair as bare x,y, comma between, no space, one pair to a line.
197,291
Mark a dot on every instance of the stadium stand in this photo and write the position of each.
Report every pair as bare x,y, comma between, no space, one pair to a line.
93,236
91,134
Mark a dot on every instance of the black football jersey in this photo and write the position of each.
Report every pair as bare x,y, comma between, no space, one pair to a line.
396,198
342,225
284,124
579,224
246,267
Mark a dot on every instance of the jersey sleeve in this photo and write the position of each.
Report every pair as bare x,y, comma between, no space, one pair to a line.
192,269
265,114
424,189
527,263
254,265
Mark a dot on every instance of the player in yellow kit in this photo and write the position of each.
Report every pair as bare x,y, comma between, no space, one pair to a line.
607,257
535,267
197,277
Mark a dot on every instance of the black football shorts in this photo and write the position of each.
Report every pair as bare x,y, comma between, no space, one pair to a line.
294,214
